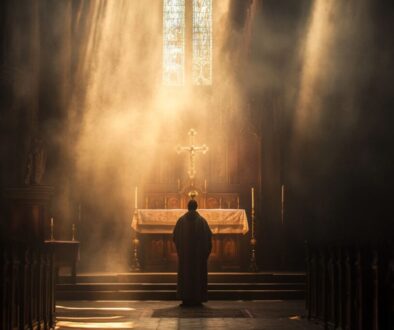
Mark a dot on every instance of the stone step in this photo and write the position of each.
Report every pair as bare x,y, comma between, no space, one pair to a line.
162,286
172,286
171,295
260,277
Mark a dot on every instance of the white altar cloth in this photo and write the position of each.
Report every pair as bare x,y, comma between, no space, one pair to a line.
162,221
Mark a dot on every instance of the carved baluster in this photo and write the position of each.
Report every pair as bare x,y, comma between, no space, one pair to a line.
340,298
386,286
375,289
323,283
4,287
14,287
33,289
332,290
358,289
349,289
45,289
24,280
314,284
308,279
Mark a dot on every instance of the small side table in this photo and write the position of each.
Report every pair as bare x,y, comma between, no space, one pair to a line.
66,253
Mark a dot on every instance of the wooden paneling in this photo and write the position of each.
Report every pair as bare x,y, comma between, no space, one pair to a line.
351,287
158,253
26,287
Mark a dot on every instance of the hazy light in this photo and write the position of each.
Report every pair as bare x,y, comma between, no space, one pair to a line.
124,120
95,325
96,308
315,59
79,318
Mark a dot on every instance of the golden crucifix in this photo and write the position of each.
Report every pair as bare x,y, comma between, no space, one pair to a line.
192,149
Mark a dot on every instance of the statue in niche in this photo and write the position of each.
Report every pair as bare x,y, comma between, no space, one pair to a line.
36,161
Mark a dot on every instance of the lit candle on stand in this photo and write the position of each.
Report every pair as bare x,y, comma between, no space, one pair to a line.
252,198
52,236
136,198
283,203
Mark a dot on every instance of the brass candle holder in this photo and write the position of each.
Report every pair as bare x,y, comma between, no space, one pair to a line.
135,262
253,242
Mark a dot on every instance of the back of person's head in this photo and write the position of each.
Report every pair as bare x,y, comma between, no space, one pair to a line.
192,205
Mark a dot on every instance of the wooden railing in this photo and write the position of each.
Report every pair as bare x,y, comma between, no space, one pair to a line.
351,287
26,286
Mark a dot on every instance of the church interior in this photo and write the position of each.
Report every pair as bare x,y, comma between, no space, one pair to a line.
275,116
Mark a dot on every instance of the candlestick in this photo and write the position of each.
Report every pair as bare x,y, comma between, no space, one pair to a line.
282,202
252,198
253,242
136,198
52,236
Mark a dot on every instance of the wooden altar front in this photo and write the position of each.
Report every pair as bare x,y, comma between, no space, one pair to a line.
157,251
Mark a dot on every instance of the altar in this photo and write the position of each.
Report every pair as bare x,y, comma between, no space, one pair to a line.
157,251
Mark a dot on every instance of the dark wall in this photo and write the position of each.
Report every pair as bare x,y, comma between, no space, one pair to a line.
337,168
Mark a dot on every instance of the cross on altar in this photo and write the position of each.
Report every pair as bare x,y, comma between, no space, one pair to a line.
192,149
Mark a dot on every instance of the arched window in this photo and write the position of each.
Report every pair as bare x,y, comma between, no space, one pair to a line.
174,41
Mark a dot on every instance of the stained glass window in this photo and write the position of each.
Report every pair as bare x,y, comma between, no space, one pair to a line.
174,42
202,42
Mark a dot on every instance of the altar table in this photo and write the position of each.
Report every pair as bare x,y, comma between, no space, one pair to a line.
155,226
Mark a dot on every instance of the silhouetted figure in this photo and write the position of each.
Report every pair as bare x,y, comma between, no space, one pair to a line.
192,238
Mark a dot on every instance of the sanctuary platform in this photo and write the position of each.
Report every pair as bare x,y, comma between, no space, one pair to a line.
162,286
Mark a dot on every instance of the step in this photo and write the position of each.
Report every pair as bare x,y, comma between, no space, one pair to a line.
171,295
172,277
162,286
172,286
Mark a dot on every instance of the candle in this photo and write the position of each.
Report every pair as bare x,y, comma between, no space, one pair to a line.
205,185
282,211
252,198
136,198
52,236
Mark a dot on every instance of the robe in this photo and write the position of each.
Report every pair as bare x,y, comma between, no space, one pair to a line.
192,237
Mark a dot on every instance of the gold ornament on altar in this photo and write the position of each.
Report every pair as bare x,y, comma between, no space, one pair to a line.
193,194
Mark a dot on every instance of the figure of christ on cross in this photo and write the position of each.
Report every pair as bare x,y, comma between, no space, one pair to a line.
192,149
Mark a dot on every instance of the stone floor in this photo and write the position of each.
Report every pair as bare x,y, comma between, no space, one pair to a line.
270,315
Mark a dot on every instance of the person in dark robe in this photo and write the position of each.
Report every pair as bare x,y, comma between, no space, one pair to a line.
192,237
